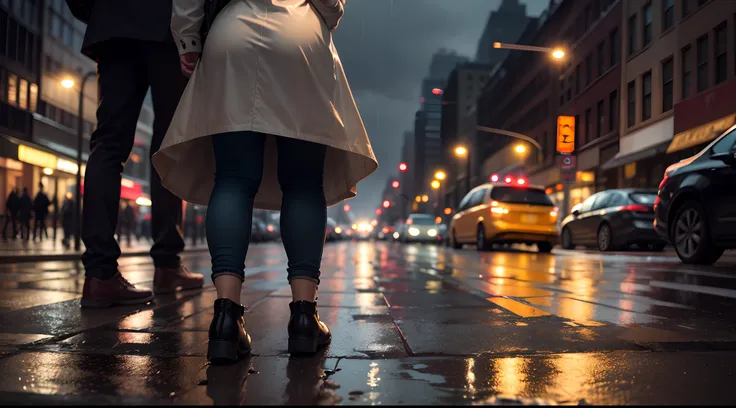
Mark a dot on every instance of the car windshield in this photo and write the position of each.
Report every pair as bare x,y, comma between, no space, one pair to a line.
643,198
422,220
521,195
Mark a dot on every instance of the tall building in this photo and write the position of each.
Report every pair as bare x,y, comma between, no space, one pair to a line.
678,84
504,25
20,75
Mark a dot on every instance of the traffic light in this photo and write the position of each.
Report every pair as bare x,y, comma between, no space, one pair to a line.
379,211
395,184
346,208
403,167
386,204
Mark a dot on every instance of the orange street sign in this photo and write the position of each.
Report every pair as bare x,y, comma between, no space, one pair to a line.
565,134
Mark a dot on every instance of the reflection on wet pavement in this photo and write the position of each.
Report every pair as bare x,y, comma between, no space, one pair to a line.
411,325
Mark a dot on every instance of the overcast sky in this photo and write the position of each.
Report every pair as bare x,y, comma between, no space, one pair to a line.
385,47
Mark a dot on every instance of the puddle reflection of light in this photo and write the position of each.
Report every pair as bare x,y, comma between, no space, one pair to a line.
575,372
373,378
511,376
470,375
499,271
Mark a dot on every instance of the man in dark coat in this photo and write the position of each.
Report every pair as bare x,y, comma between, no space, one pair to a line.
132,44
41,210
25,211
12,207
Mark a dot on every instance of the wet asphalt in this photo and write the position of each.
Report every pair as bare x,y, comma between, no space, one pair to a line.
411,324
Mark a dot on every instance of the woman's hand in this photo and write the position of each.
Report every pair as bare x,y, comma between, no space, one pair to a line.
188,61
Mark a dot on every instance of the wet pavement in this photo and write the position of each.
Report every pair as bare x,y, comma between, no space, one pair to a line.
411,325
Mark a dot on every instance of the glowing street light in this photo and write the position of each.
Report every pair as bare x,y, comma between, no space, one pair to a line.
395,184
379,211
448,211
346,208
558,54
67,83
461,151
440,175
386,204
418,199
403,167
521,149
425,198
435,184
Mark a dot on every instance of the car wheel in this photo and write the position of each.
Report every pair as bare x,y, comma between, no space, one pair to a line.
544,247
482,242
691,236
605,238
567,239
454,243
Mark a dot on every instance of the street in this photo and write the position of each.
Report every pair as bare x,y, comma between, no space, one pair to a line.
411,325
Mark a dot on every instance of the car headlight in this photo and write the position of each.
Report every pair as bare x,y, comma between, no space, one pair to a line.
396,235
432,232
414,232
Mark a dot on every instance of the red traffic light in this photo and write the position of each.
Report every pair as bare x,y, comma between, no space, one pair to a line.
403,167
346,208
395,184
379,211
436,91
386,203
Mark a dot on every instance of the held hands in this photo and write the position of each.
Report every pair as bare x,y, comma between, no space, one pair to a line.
188,61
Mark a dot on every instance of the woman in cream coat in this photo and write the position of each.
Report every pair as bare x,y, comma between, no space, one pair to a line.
267,120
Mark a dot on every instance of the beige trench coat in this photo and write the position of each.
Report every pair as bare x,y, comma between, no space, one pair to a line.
268,66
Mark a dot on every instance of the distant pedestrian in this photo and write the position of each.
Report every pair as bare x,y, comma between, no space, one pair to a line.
67,219
24,213
12,207
126,223
41,210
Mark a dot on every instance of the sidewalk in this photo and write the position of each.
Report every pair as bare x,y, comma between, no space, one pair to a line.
18,250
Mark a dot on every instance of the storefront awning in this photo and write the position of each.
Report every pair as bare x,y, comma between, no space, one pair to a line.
620,159
701,134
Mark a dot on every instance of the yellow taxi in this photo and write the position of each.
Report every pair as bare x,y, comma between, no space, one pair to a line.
509,211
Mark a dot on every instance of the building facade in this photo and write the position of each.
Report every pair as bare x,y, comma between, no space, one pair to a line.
504,25
677,84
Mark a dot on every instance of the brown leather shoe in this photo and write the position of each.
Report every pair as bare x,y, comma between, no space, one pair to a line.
114,291
168,280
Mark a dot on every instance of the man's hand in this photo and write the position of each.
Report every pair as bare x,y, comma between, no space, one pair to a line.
188,61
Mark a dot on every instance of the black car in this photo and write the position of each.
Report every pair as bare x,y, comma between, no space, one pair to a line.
696,204
613,219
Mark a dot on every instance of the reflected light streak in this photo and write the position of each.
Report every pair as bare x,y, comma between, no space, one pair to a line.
511,376
470,375
373,378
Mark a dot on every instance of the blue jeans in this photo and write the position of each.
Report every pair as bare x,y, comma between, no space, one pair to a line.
238,174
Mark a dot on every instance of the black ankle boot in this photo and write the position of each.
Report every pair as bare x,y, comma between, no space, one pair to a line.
228,339
306,332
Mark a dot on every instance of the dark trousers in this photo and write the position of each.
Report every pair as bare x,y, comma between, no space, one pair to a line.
126,69
39,223
25,227
238,174
11,219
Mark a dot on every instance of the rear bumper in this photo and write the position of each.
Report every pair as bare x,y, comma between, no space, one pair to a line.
640,235
522,237
520,233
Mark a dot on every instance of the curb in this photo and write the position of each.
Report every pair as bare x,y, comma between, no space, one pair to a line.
13,259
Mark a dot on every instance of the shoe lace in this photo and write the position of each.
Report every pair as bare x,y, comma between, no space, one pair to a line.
125,282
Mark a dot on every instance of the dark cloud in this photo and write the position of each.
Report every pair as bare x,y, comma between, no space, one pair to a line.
385,47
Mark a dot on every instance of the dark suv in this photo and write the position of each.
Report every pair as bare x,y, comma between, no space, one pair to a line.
695,209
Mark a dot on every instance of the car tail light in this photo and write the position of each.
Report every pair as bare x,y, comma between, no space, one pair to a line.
409,221
521,181
508,180
494,178
498,211
554,212
636,208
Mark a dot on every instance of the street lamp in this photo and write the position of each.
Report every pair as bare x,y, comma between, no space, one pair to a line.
435,184
395,184
461,151
440,175
556,53
68,83
425,198
521,149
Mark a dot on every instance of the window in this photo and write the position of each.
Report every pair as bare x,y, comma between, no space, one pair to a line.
516,195
631,95
34,98
632,35
55,22
702,63
721,57
615,49
643,198
646,96
725,144
23,94
668,14
685,62
478,197
667,84
602,199
599,58
646,22
588,126
12,89
588,203
601,117
685,8
588,69
577,79
612,106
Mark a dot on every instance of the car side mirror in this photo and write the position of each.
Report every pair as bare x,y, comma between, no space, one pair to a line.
728,158
575,212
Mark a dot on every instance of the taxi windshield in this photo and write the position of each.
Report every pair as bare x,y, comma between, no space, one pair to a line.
521,195
422,220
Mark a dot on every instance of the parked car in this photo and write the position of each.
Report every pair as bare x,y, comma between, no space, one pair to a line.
330,230
613,219
695,209
420,228
259,232
507,212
